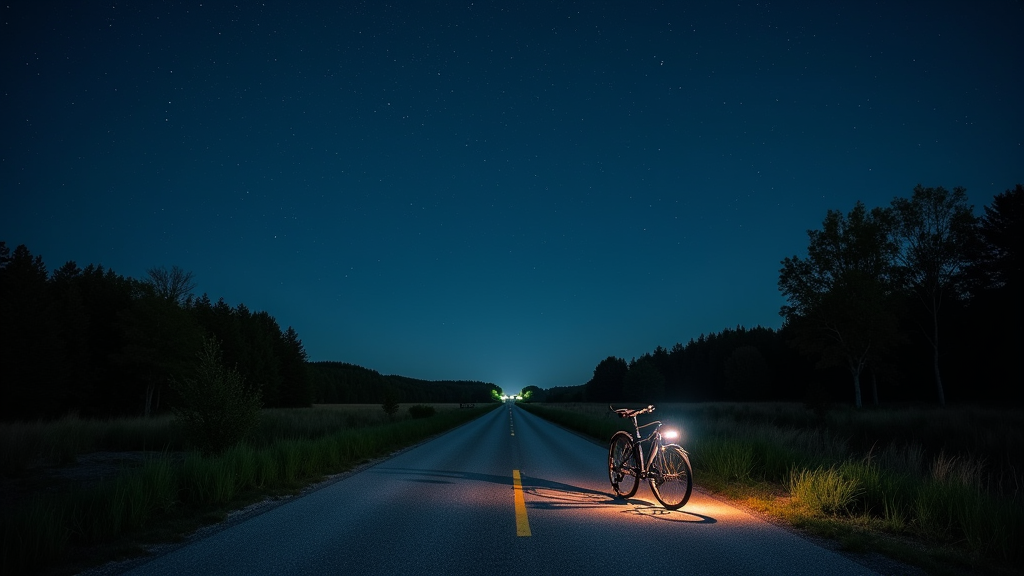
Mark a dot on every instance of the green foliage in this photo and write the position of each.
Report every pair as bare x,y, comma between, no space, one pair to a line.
421,411
217,408
534,394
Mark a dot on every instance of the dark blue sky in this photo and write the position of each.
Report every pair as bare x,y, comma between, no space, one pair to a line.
498,191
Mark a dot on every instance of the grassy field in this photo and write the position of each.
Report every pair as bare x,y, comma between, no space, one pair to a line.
938,488
171,490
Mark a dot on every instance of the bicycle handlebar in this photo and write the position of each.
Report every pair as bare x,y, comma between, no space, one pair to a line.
627,413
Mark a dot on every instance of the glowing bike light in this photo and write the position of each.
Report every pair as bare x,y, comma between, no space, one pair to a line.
671,434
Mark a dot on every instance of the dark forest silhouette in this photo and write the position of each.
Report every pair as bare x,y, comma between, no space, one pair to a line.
341,383
914,299
920,301
95,343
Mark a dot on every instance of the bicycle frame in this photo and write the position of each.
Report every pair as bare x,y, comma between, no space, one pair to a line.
665,466
654,440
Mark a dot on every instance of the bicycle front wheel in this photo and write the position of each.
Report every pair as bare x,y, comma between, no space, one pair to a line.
622,465
672,477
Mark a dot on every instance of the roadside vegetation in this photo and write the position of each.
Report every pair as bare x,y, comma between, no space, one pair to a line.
939,488
174,489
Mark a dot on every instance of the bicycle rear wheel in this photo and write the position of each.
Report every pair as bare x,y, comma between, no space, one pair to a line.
622,465
672,477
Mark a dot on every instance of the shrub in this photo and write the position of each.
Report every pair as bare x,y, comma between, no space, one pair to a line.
217,408
421,411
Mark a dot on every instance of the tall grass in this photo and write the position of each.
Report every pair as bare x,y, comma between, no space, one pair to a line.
25,445
825,490
41,531
950,477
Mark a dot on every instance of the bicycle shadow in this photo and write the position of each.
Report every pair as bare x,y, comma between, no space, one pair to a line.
558,496
553,495
657,512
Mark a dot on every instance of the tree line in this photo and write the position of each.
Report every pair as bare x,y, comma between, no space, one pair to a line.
93,342
919,300
737,364
916,300
96,343
342,383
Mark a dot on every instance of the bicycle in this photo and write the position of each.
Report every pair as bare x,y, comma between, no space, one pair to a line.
666,467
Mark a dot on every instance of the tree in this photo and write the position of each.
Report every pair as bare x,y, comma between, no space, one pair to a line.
534,394
643,381
30,349
161,339
1000,232
840,296
994,316
296,389
933,232
217,407
176,285
606,385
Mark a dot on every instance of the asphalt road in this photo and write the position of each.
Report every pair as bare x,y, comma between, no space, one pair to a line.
453,506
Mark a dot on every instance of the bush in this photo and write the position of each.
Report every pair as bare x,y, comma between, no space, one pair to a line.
217,408
421,411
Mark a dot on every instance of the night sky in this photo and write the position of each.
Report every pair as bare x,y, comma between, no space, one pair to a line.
497,191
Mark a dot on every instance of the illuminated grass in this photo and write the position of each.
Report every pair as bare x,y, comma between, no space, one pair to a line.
826,491
862,478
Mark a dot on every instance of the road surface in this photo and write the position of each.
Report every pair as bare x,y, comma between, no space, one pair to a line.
508,493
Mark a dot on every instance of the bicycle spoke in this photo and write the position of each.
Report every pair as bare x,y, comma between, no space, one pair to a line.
621,466
672,482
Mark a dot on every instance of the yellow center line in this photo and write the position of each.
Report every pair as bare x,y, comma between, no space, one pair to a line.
522,522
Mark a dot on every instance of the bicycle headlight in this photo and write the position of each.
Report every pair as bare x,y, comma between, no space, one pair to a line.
671,434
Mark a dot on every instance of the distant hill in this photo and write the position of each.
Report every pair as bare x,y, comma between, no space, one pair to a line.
343,383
